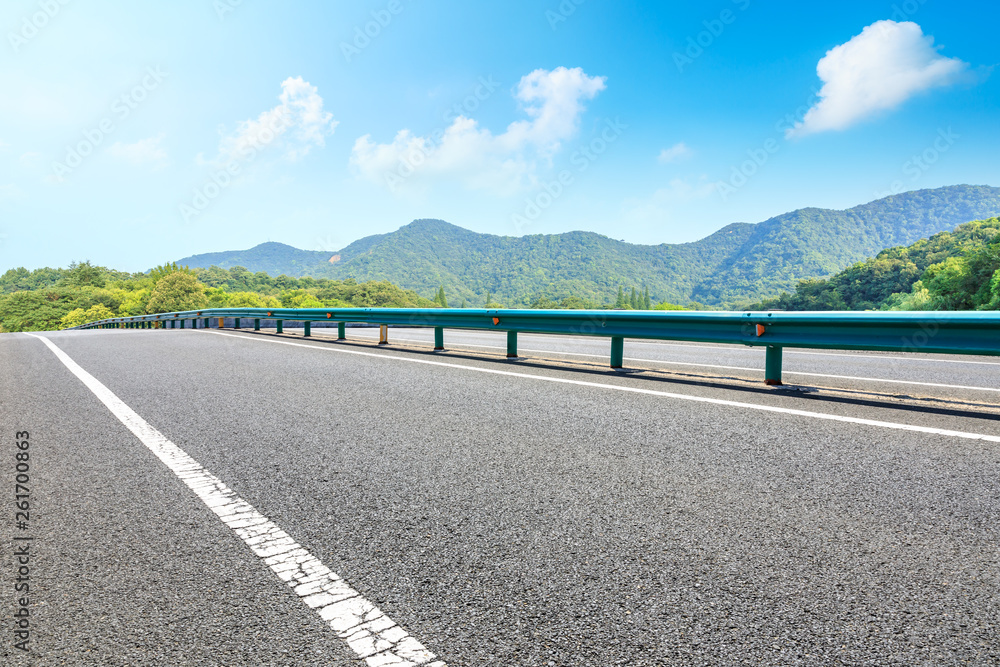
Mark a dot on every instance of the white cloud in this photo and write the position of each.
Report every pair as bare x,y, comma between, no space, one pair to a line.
10,192
665,200
881,68
297,124
143,152
31,159
675,153
503,163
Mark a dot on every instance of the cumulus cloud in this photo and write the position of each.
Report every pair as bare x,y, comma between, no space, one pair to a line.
143,152
881,68
464,151
675,153
296,125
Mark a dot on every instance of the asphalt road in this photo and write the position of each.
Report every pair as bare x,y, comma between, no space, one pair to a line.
544,511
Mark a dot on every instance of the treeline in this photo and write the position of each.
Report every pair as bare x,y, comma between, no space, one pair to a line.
48,299
958,270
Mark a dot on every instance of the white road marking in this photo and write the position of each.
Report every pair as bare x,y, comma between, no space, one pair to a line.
372,635
635,390
728,368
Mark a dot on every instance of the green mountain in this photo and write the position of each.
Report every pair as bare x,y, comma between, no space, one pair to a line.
949,271
738,263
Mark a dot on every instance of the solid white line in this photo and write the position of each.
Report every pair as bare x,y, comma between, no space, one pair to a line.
372,635
728,368
635,390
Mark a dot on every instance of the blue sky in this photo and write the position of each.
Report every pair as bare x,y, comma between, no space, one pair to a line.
132,134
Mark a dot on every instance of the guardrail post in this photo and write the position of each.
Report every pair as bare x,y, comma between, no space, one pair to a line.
617,351
194,323
236,323
383,334
307,327
256,324
438,338
182,324
208,322
222,322
280,325
341,333
511,344
772,365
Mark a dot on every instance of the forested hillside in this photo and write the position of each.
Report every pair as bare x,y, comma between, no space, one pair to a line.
957,270
740,262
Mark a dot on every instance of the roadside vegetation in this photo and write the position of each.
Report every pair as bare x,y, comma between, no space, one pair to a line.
49,299
957,270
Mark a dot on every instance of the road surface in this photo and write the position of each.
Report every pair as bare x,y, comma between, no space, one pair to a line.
470,510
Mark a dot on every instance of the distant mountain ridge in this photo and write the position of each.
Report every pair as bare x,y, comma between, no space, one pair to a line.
739,263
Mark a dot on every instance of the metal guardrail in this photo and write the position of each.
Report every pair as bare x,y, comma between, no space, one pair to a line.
929,332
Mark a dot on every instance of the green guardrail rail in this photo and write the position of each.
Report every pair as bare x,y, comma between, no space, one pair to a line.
929,332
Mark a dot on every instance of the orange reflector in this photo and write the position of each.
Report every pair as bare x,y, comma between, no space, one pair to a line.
760,329
269,314
329,315
496,321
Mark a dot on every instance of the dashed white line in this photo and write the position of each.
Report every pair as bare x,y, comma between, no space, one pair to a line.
634,390
372,635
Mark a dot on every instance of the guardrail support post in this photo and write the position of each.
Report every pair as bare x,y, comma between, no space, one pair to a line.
307,326
236,323
208,322
222,322
194,323
341,334
438,338
256,324
617,351
383,334
511,344
772,365
279,324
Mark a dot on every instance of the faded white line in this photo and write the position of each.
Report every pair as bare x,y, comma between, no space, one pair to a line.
372,635
744,348
718,366
634,390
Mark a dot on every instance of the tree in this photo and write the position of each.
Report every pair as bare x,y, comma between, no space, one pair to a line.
75,318
633,300
83,274
245,300
164,270
440,299
620,301
646,303
177,291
